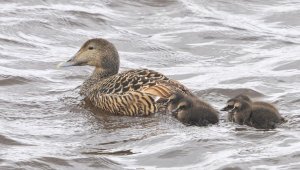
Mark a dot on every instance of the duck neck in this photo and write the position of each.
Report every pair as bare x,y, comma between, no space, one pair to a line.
97,76
100,73
247,110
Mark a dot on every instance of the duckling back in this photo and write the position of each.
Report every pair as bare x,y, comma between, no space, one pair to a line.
264,116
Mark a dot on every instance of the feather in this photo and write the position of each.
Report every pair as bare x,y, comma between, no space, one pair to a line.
134,93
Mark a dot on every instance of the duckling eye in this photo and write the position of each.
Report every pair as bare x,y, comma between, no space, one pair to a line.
230,106
90,47
182,107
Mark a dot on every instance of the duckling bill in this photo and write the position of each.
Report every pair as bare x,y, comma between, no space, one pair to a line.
261,115
137,92
191,110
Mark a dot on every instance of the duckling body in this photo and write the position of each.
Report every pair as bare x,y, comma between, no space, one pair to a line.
258,104
190,110
264,117
260,115
138,92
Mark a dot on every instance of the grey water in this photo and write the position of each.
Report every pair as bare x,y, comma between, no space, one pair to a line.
217,48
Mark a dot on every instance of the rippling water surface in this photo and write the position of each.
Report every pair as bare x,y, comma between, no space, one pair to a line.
217,48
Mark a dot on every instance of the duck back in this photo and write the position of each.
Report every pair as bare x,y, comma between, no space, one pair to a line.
139,92
264,116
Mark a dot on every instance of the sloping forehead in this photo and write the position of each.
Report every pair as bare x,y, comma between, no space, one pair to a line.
243,97
230,102
95,41
88,43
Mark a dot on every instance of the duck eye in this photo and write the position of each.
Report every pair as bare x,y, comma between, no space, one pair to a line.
182,107
90,48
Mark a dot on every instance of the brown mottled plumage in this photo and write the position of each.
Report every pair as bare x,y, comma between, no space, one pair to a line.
261,115
190,110
135,92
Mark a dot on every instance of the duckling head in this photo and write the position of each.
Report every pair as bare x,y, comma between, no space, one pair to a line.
243,97
232,105
97,52
238,105
180,105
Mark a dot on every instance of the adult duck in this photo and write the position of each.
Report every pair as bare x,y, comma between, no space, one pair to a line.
137,92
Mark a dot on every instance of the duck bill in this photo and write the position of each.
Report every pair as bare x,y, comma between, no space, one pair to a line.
174,112
233,110
69,63
65,64
227,108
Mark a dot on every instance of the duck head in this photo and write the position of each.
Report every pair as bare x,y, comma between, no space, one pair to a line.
238,107
180,105
97,52
243,97
236,103
232,105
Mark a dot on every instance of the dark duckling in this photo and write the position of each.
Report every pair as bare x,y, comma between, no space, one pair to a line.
261,115
137,92
191,110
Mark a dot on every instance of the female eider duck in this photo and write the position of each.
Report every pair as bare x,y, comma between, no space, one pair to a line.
138,92
261,115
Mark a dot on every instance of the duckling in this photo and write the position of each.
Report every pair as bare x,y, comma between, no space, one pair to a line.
192,111
260,115
137,92
246,98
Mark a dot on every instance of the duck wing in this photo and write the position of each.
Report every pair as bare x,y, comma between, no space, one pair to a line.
147,101
134,80
135,92
128,104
